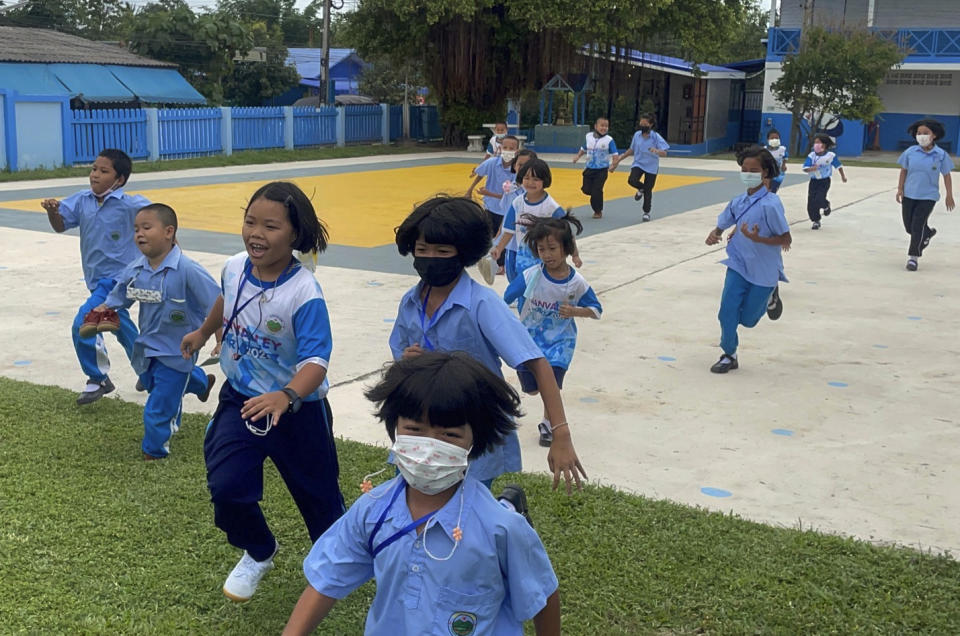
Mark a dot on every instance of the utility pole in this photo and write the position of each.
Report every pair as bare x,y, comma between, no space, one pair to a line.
326,98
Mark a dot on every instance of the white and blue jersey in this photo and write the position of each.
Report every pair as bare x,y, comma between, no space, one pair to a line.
106,232
515,224
825,163
272,329
758,263
493,146
539,297
779,155
641,146
923,172
498,577
599,150
174,298
496,174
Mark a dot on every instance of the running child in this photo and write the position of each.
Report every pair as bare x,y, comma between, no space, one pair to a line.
506,242
919,187
446,556
494,147
549,296
754,260
175,294
276,348
647,146
819,164
600,148
497,171
448,311
104,214
779,154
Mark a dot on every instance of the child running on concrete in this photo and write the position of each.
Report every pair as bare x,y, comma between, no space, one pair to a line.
600,148
446,556
754,260
779,154
175,294
647,146
448,311
276,348
549,296
497,171
819,164
494,147
506,242
919,187
104,214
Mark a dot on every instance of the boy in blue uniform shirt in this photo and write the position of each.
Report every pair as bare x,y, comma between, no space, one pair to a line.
647,146
175,293
104,214
446,556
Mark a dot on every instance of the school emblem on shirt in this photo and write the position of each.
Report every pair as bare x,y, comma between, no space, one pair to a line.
274,324
115,236
462,623
177,316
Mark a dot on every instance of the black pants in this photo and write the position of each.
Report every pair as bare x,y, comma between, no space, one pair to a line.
495,220
817,197
593,180
915,215
645,185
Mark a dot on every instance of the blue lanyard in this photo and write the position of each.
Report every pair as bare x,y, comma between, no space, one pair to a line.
401,484
236,301
424,324
757,200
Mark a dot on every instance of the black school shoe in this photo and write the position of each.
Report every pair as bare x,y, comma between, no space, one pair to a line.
826,211
724,364
638,195
926,241
774,305
911,265
211,380
514,494
815,226
89,397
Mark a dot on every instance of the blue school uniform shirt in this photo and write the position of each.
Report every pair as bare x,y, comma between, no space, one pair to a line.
539,297
283,327
642,157
498,577
760,264
514,223
779,155
923,171
174,298
599,150
496,175
825,164
106,231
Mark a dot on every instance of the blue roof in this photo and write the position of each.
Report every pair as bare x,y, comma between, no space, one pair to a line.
91,82
668,63
307,61
30,79
157,85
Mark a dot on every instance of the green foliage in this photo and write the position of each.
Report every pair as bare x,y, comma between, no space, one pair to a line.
92,19
251,83
386,83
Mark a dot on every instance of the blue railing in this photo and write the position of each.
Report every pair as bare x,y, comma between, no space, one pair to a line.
189,132
919,44
396,122
257,127
314,126
363,122
94,130
425,123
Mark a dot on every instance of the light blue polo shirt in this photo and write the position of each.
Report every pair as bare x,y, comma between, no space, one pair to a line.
498,577
923,171
758,263
106,232
496,174
642,157
174,300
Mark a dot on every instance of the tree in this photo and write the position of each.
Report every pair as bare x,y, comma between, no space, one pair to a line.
834,74
387,83
252,83
93,19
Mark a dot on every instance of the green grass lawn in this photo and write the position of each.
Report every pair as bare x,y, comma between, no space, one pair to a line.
94,540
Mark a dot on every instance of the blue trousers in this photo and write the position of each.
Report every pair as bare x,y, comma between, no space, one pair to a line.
510,265
301,446
161,414
742,303
92,351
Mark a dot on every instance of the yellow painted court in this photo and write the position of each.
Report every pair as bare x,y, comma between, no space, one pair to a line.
361,209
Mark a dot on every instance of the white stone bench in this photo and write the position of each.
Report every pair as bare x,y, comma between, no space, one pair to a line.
475,143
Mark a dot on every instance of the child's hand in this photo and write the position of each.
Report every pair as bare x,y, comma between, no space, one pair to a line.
713,238
215,352
50,205
269,405
900,197
577,261
562,460
613,165
412,351
101,307
844,177
495,253
192,343
567,311
575,158
752,235
950,204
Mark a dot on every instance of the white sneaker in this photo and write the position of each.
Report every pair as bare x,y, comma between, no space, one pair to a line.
245,577
487,267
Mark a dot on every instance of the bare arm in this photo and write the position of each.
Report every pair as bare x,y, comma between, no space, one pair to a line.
842,176
903,180
948,184
312,608
473,185
193,342
562,458
547,620
52,206
579,154
276,403
501,245
783,240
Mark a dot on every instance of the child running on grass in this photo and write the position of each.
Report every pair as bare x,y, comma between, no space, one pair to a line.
919,187
497,171
779,154
449,311
754,260
276,348
506,242
601,149
175,294
819,164
549,296
647,146
104,214
447,557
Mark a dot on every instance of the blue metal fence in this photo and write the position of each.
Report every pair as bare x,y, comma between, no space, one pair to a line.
363,122
314,126
396,122
425,123
257,127
94,130
189,132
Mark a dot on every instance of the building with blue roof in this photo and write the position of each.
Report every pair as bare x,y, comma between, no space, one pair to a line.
345,69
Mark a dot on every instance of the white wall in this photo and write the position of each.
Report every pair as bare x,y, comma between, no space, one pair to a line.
929,14
921,98
772,74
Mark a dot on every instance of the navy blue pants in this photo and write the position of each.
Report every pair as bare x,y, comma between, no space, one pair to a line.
301,446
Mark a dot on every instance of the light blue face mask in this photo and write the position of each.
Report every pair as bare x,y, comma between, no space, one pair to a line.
751,179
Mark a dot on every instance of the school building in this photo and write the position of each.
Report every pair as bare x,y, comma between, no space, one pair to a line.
927,84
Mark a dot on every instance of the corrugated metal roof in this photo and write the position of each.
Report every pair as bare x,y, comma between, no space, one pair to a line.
307,61
18,44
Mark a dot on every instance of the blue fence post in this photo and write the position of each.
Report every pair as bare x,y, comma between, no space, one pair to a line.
288,127
385,126
342,126
153,134
226,130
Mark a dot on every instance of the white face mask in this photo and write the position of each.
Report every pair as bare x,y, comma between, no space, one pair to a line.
924,140
429,465
774,142
508,155
751,179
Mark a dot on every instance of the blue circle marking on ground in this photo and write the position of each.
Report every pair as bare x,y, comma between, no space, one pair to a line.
810,282
388,319
53,313
716,492
786,432
589,400
914,318
374,283
880,347
21,363
3,267
839,385
666,358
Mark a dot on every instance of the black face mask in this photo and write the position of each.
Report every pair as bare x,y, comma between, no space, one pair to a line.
437,271
644,129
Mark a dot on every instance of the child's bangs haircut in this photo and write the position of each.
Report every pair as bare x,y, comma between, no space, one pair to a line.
537,168
521,153
447,390
650,118
824,139
165,214
510,138
121,161
773,131
935,127
560,229
446,220
310,234
767,163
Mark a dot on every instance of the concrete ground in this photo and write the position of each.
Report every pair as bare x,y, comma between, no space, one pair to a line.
843,414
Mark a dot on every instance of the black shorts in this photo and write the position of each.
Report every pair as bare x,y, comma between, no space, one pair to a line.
528,382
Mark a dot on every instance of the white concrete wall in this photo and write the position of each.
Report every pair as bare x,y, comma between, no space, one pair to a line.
928,14
718,106
39,135
771,75
922,97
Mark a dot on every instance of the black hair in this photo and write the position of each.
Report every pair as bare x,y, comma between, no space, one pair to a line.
767,163
122,164
650,118
447,390
310,234
601,118
165,214
521,153
773,131
503,139
537,168
935,127
824,139
497,123
560,228
447,220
